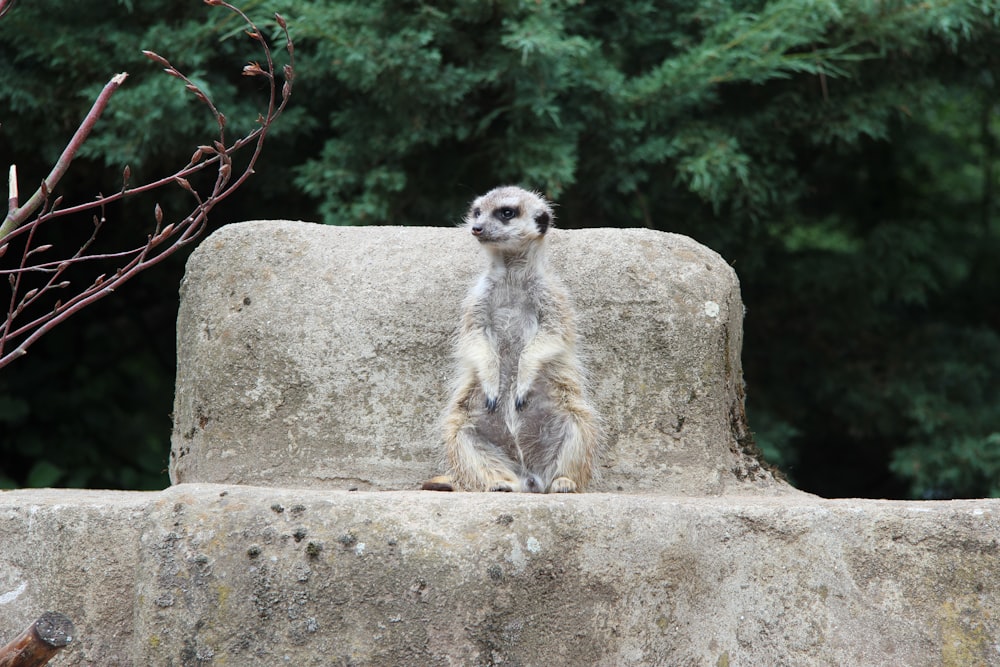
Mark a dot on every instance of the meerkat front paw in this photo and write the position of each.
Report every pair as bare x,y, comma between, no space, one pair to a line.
521,395
491,394
562,485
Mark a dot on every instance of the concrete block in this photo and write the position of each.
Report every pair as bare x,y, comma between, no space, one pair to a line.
320,357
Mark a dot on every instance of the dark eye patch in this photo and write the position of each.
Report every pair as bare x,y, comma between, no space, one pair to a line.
542,221
476,212
505,213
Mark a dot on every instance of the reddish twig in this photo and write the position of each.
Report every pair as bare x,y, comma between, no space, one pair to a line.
17,215
164,241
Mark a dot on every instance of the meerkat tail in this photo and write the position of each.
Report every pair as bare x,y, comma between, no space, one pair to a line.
439,483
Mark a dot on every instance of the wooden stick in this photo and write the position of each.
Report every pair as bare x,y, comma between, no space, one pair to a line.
43,639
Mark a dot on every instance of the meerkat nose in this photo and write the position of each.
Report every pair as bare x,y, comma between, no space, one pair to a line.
477,230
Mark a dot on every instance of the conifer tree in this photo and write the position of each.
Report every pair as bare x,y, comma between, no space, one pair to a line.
842,154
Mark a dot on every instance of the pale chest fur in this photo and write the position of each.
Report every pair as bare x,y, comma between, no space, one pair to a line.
511,312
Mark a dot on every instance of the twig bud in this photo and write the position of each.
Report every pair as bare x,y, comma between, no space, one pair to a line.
184,183
41,248
158,214
158,59
165,233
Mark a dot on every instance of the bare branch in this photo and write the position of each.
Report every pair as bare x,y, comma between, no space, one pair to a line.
17,217
27,319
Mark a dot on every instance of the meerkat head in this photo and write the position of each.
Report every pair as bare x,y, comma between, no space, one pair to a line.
509,218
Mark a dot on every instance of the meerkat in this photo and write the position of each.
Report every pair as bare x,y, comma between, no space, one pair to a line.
519,418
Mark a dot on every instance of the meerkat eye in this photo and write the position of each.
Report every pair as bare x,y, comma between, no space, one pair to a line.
475,212
506,213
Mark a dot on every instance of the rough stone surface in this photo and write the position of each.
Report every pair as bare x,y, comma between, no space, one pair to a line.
320,357
236,575
73,552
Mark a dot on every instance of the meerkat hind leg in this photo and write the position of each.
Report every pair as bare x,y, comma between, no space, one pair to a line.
575,455
479,465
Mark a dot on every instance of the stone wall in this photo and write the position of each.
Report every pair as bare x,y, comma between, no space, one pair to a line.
315,360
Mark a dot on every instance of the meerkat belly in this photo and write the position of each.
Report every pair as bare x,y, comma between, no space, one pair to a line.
513,321
540,431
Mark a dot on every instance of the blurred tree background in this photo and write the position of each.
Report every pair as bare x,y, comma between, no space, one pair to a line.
842,155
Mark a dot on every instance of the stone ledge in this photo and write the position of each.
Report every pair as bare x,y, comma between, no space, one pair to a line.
212,574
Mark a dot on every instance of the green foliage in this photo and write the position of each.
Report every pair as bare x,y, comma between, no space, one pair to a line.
834,151
842,154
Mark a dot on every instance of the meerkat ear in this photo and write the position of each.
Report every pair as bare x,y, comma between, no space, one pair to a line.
542,221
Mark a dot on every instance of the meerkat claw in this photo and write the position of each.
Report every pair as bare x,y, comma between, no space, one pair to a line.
491,403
